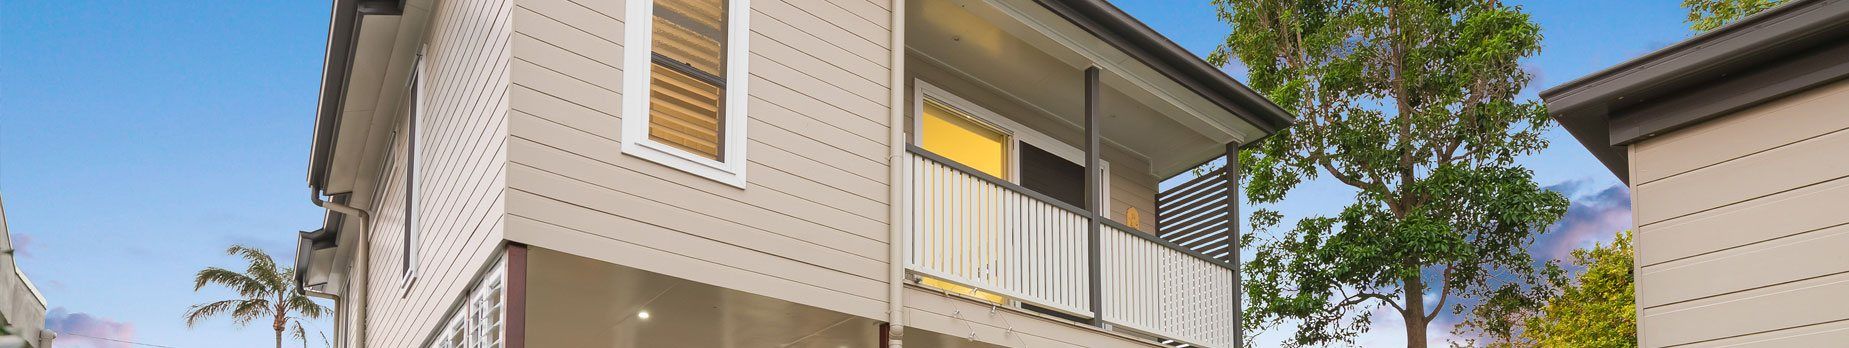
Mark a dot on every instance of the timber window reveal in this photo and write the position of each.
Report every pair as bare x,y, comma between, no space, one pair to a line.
686,106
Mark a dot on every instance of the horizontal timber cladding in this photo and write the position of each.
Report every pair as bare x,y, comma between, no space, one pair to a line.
810,223
1742,225
460,174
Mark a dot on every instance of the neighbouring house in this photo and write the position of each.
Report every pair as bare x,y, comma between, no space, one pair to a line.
1735,144
773,173
22,307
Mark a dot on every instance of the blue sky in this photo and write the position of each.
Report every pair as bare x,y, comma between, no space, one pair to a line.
138,139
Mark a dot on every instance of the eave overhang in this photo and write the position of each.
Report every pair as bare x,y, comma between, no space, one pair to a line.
1773,54
343,37
1131,36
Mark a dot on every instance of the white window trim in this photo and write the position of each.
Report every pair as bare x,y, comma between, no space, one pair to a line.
637,58
462,317
411,196
1017,134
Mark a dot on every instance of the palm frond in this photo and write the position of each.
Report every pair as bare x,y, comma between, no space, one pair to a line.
251,310
296,331
262,267
307,307
197,313
242,283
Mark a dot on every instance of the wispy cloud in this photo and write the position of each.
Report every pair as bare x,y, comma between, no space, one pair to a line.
81,330
1596,214
22,245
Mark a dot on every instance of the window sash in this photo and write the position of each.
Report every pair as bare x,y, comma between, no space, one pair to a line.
703,133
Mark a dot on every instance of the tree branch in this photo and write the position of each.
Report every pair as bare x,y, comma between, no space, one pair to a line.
1359,297
1444,293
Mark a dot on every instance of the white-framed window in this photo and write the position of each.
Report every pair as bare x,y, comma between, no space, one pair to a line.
684,85
478,321
935,104
415,113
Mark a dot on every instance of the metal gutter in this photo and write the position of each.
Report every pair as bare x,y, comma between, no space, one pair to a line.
1130,35
336,62
1779,26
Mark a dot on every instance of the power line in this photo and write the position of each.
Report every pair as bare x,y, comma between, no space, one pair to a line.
112,339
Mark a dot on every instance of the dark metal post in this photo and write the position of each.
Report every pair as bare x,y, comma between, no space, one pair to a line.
1231,170
1092,181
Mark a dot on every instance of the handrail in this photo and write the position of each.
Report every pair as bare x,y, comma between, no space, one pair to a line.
934,157
940,159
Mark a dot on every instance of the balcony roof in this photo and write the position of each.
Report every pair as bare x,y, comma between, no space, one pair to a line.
1130,35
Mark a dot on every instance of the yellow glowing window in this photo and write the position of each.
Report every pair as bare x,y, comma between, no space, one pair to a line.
961,139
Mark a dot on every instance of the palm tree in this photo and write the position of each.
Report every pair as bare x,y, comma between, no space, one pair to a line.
266,292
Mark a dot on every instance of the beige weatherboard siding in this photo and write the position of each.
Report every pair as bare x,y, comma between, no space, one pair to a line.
1735,144
1743,223
810,225
461,171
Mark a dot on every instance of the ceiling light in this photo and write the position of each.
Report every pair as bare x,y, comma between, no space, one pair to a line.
642,314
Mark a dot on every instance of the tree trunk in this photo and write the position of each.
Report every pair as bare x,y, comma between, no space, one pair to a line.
278,325
1414,313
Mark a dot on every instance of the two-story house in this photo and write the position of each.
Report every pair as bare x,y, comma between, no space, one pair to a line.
773,173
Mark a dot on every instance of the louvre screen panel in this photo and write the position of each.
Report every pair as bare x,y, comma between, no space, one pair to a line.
1194,215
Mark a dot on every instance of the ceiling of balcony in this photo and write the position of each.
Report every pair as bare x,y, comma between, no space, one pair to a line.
1014,49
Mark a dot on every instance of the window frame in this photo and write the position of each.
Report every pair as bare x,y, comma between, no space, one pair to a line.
638,64
410,230
1017,133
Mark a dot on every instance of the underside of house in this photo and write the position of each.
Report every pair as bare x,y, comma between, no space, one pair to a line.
942,173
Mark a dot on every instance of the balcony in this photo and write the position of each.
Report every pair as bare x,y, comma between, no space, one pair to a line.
981,232
1041,135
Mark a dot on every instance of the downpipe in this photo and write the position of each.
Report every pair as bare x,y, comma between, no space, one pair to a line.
895,138
365,257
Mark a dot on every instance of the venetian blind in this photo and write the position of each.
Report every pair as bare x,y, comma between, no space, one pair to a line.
687,81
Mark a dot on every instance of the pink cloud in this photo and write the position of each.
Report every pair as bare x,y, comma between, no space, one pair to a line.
22,245
1594,217
81,330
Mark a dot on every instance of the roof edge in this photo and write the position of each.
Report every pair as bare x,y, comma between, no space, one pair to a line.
1125,32
1777,20
336,63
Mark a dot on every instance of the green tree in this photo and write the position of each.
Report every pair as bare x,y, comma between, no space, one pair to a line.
1598,308
1705,15
265,292
1412,103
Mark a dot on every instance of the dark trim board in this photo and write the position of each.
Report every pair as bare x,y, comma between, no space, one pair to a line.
516,296
1772,55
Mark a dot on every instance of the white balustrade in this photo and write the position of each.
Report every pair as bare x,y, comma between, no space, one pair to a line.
1156,289
976,233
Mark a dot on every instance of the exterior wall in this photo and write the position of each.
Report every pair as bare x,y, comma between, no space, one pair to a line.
461,175
21,305
1131,184
967,319
1742,226
811,226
